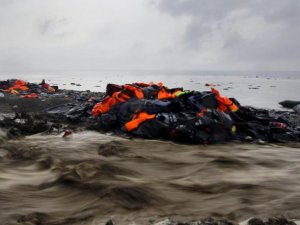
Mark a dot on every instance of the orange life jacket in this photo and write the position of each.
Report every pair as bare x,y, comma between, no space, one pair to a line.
128,92
137,120
19,85
224,103
164,93
104,106
136,90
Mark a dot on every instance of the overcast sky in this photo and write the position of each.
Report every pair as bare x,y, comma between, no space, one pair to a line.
149,34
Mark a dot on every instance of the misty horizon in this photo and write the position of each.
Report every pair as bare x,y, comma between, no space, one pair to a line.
196,35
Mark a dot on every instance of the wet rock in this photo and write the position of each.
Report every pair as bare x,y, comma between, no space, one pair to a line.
109,222
224,222
113,148
14,133
33,218
255,221
289,103
208,221
19,152
279,221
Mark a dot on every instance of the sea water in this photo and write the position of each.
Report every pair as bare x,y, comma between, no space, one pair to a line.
258,89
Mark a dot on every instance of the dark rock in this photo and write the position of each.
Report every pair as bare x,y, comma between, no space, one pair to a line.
14,133
279,221
19,152
33,218
289,103
255,221
109,222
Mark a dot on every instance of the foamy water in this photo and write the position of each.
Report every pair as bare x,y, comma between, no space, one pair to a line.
90,178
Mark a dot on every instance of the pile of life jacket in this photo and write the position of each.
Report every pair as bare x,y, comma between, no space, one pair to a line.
156,111
25,89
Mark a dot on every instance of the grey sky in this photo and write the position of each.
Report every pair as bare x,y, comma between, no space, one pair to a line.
149,34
